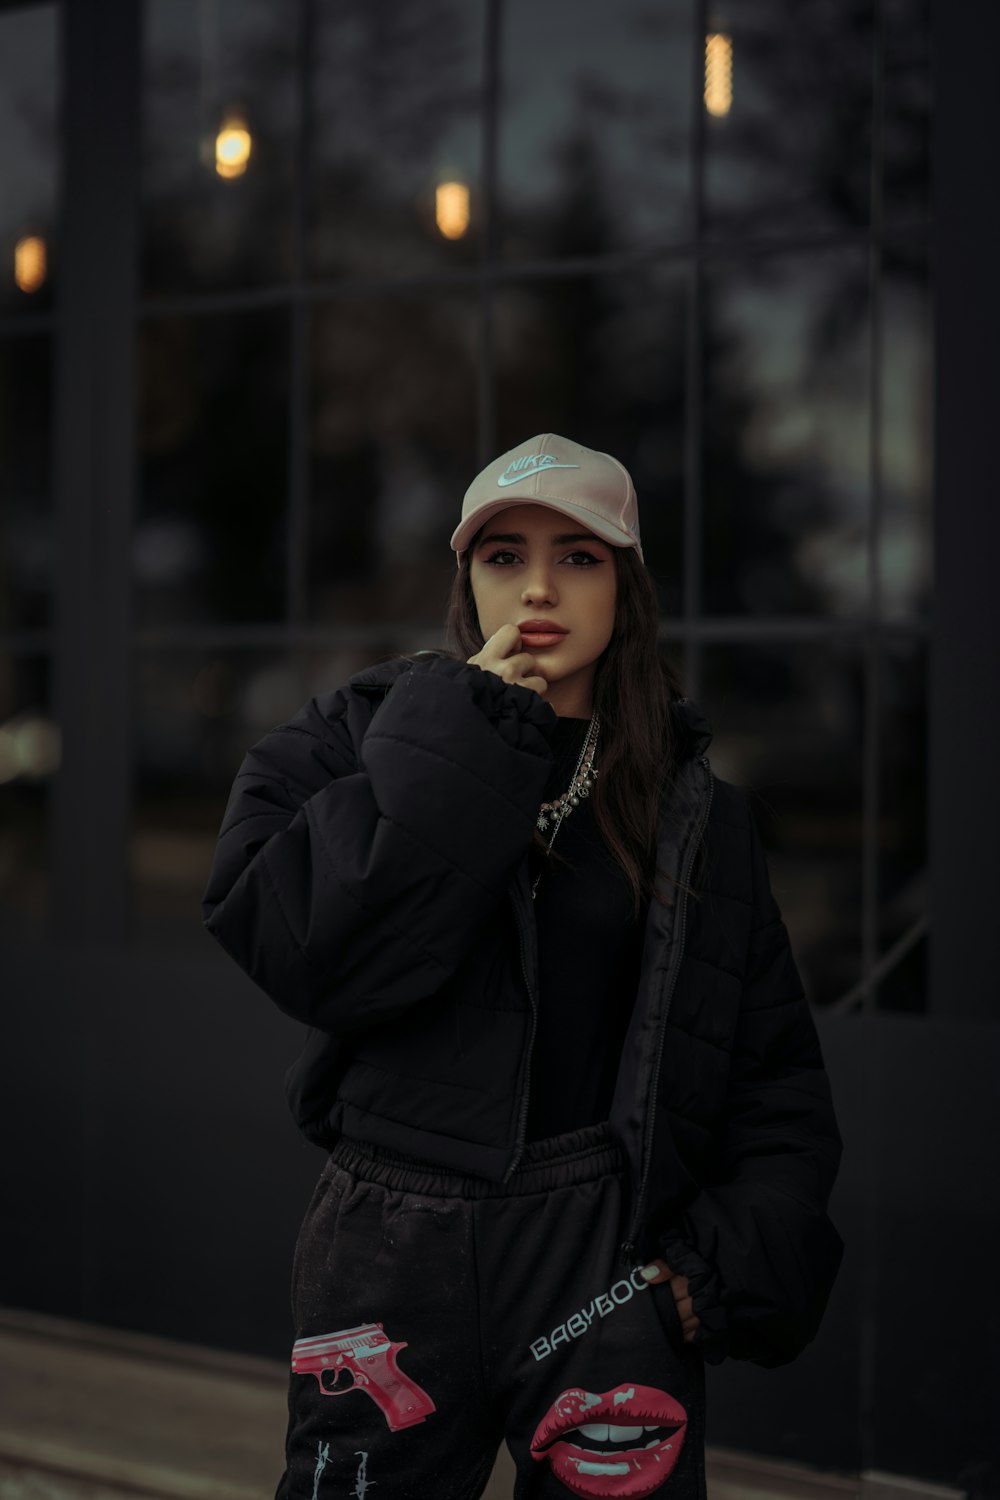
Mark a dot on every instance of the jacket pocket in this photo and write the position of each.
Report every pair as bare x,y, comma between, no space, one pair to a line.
669,1316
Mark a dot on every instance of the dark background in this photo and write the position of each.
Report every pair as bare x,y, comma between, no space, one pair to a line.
237,417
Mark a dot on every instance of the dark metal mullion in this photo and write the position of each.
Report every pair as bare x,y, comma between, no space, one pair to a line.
94,478
564,267
93,488
694,498
487,400
297,534
963,791
871,751
871,1082
195,304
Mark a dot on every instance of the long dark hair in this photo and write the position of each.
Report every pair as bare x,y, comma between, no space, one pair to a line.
633,689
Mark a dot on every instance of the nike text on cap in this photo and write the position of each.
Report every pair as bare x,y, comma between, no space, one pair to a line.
589,486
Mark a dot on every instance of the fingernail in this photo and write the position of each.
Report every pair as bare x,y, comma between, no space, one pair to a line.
649,1273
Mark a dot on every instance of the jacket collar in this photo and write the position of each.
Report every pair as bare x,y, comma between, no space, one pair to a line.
691,724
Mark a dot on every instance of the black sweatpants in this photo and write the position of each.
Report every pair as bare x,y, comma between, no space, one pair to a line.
438,1315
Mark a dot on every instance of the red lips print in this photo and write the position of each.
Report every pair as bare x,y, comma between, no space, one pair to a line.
596,1442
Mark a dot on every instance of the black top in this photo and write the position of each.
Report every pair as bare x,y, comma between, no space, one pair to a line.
589,950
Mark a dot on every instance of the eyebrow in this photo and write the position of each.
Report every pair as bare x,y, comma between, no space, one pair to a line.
557,541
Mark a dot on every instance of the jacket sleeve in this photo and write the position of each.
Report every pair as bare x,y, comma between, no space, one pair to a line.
757,1246
350,886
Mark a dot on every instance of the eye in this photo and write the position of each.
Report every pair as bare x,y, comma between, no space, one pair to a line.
506,552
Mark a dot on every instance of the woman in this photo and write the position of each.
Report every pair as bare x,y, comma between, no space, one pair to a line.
580,1135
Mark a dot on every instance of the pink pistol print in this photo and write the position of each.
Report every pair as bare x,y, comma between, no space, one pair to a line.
370,1357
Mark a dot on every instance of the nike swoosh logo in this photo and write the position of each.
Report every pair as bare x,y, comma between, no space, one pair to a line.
505,480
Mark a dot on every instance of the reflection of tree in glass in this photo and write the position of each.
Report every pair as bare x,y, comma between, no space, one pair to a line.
394,101
387,79
392,93
29,148
213,449
795,150
384,87
782,428
392,447
200,231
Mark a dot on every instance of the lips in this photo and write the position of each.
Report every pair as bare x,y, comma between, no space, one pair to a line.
541,638
622,1442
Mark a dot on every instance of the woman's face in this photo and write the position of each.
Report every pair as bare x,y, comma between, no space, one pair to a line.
520,570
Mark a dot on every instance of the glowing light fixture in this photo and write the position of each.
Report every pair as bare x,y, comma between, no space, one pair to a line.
30,262
451,209
30,747
232,146
718,73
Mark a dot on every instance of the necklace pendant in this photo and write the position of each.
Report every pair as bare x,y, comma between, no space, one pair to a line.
542,824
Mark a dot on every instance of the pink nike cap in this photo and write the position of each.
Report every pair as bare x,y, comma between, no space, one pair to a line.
590,486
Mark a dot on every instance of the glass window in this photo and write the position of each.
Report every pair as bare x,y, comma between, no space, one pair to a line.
788,99
786,435
393,137
594,130
787,726
29,157
907,110
353,141
25,482
197,713
393,412
209,542
218,144
907,445
600,359
29,759
902,824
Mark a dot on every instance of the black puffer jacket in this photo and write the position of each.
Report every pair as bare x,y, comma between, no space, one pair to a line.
371,876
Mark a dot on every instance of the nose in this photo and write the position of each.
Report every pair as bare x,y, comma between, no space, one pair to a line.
540,583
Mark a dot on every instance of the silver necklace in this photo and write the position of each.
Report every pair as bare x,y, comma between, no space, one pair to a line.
580,786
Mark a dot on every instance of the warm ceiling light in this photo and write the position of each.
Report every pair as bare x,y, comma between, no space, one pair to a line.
718,73
29,262
232,147
451,210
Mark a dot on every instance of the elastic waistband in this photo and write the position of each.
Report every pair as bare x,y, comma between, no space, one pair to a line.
557,1161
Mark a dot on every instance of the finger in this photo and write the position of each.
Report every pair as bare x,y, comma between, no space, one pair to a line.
664,1272
678,1285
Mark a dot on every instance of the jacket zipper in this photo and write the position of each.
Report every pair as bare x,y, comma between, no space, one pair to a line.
519,1143
628,1245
